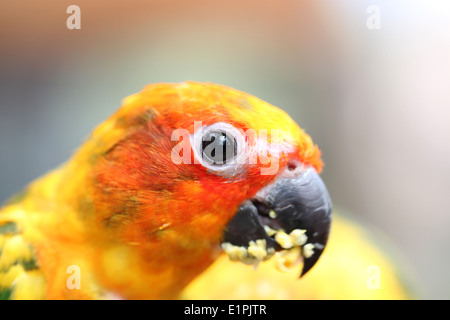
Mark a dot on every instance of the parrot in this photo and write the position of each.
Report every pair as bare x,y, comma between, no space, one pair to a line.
182,178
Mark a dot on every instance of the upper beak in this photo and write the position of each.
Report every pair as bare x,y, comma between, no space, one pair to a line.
292,212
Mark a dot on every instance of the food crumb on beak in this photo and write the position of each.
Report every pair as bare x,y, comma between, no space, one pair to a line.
270,232
235,253
283,239
298,237
253,254
257,249
294,245
286,259
272,214
308,250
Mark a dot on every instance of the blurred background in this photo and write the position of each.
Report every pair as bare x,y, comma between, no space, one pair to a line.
376,101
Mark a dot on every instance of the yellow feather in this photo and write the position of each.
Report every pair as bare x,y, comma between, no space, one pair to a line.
29,286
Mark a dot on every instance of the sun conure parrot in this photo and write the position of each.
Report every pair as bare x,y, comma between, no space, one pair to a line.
178,175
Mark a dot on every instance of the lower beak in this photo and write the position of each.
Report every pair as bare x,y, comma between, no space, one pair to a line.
292,213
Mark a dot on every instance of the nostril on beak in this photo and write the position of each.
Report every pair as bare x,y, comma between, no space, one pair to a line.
292,166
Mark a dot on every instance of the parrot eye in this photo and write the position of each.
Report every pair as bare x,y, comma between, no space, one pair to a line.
218,147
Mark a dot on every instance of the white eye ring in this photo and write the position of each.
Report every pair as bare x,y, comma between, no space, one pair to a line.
228,160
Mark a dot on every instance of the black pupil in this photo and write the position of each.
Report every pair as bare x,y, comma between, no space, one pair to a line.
218,147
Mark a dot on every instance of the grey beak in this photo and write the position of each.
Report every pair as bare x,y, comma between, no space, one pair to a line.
300,201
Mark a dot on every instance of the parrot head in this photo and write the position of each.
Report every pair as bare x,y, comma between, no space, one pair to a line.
183,172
